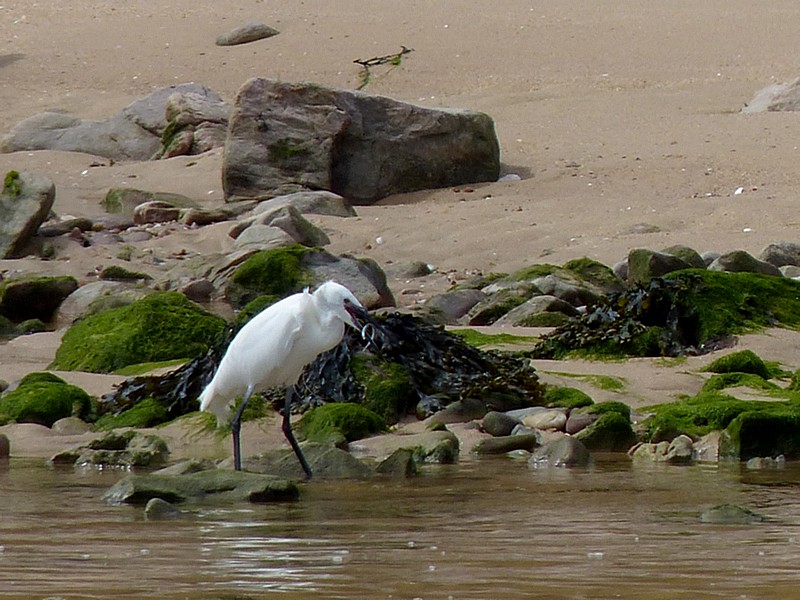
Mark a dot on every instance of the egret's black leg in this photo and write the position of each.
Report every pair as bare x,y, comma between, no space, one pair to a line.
287,431
236,427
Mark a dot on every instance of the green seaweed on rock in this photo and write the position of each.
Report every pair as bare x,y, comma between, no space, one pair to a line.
690,311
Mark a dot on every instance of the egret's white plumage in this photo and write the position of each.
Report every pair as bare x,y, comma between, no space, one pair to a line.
273,348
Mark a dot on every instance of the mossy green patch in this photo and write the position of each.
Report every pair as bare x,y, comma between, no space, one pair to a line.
602,382
160,326
611,432
44,398
11,184
479,339
594,272
278,272
285,149
544,319
387,389
745,361
116,272
147,413
353,421
566,397
147,367
255,306
685,309
720,381
769,431
611,406
703,413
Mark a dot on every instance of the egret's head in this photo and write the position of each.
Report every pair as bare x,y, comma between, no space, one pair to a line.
342,302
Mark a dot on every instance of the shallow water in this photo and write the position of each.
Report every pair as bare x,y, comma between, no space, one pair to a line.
478,530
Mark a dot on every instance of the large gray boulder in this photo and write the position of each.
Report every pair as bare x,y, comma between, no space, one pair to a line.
132,134
25,202
287,137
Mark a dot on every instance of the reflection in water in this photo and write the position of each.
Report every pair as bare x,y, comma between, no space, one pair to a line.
486,529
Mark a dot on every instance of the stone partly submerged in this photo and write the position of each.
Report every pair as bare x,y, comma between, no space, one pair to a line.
287,137
218,484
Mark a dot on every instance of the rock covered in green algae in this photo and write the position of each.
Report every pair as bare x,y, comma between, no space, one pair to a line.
744,361
217,485
687,311
612,432
160,326
352,420
44,398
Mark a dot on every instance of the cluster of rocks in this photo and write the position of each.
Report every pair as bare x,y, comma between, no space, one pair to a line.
547,295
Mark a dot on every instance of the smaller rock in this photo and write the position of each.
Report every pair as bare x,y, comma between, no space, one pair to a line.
507,443
201,216
54,229
199,290
525,313
318,202
565,452
460,411
740,261
680,450
499,424
644,264
249,32
399,464
730,514
546,419
578,421
217,484
5,447
155,211
453,305
157,509
766,462
263,236
781,254
71,426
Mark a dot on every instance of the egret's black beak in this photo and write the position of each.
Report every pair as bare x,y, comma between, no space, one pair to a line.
357,313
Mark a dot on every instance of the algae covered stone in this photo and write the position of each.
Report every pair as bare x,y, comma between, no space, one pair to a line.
278,272
744,361
387,387
44,398
688,310
353,421
566,397
160,326
611,432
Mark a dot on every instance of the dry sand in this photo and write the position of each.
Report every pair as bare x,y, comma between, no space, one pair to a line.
615,114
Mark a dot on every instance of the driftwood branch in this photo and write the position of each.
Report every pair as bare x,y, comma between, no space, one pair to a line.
389,59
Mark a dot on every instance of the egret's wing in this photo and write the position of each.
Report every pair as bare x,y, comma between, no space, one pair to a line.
263,350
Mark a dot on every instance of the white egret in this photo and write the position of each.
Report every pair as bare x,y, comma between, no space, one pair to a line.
273,348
